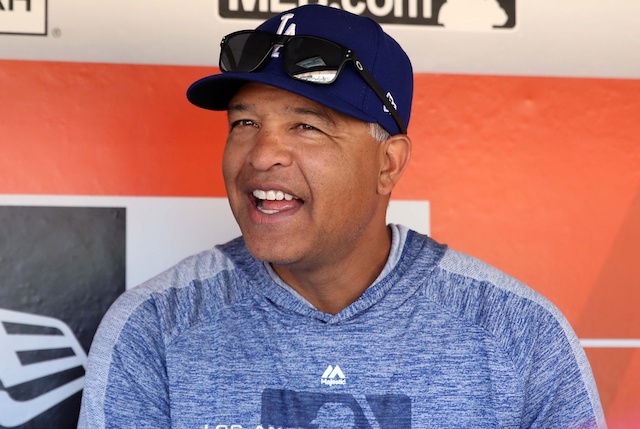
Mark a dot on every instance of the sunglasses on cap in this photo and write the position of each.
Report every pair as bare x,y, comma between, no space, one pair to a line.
306,58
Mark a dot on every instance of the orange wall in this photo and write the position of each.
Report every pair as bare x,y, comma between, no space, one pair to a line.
538,176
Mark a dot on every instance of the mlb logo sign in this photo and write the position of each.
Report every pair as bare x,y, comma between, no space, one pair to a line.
23,17
456,15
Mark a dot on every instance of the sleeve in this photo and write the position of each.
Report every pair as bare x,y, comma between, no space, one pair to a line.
549,363
126,382
560,388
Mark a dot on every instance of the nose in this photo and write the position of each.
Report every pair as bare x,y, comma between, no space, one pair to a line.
269,150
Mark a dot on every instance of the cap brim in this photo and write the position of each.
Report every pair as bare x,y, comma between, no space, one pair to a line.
215,92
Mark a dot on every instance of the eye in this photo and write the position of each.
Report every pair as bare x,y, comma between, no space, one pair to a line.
243,123
307,127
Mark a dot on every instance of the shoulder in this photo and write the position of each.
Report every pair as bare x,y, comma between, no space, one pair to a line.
543,348
183,295
130,345
460,277
517,317
511,311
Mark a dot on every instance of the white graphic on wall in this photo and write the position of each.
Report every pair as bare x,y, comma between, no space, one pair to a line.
23,17
22,335
472,15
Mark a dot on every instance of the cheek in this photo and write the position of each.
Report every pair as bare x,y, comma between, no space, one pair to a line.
351,183
231,164
363,173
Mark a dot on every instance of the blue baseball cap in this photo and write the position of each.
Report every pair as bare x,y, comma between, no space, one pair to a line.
381,55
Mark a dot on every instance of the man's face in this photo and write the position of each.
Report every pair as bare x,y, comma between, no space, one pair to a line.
302,179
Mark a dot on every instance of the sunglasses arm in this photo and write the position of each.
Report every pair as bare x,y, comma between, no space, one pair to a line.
378,91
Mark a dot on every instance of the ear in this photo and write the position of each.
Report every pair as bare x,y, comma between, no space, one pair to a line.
394,158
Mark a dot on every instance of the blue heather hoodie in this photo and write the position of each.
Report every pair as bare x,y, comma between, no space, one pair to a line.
440,340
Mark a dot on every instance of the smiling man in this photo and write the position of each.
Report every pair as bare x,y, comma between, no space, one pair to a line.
320,305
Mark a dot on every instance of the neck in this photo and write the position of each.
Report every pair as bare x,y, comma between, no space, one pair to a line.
334,286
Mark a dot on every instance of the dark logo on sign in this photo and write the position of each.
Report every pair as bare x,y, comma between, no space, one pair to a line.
464,15
23,17
35,348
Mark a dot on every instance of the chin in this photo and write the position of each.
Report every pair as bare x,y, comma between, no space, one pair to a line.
266,251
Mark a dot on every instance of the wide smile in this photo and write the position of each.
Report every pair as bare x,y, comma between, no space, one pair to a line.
272,201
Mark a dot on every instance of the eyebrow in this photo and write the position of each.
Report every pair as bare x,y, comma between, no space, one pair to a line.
237,107
319,113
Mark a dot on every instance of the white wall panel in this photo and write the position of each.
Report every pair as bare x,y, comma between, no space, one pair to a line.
596,38
163,231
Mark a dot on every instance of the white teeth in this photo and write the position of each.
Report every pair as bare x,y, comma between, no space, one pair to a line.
268,211
272,195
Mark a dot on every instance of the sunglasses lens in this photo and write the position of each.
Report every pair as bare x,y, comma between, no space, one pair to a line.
313,60
245,51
